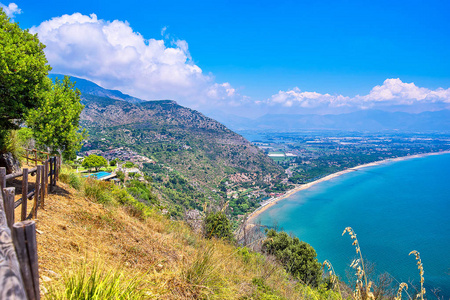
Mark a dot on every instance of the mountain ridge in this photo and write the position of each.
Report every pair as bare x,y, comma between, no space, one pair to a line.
365,120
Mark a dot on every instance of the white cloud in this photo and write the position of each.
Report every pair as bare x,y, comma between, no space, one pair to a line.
111,54
405,93
11,10
114,56
392,93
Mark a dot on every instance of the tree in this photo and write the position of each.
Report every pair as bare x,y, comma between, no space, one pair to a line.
297,257
56,123
94,161
217,225
23,74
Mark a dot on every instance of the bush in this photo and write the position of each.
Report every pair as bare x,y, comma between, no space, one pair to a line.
128,164
297,257
217,225
71,178
12,143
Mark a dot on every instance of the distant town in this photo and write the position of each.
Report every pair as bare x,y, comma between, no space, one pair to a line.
121,154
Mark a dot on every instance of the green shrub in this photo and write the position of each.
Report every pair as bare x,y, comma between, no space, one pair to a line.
297,257
217,225
12,143
134,207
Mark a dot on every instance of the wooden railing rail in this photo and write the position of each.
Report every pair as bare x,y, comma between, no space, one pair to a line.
35,159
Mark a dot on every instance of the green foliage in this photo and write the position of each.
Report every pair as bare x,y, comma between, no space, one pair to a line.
217,225
113,163
98,282
128,164
12,143
121,175
94,161
98,191
297,257
25,135
242,205
70,177
142,191
264,292
55,122
23,73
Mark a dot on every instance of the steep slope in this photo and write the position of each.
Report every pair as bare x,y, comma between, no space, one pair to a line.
170,261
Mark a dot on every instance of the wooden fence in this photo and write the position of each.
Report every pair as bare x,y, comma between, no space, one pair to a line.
19,275
34,156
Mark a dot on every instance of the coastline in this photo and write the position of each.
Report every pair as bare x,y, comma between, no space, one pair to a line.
269,203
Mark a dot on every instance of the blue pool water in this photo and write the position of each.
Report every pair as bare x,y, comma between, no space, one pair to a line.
99,175
394,208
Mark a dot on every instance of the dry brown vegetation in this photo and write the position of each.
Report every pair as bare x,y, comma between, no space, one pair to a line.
170,260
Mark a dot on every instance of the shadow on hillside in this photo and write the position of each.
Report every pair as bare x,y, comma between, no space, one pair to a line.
17,184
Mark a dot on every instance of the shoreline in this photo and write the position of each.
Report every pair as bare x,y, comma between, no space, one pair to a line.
272,201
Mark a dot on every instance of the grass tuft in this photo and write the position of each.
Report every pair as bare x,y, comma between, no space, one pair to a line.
97,282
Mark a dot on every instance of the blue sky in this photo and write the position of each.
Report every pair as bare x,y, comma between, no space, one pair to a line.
270,52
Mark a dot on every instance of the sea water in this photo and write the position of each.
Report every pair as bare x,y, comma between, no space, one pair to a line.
394,208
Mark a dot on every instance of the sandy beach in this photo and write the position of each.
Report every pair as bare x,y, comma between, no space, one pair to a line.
268,203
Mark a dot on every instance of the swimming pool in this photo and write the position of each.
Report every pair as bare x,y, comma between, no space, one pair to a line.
99,175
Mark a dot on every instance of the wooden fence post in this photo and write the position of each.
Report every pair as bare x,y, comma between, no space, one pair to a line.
37,190
23,214
58,166
55,170
43,185
26,247
46,177
35,157
52,172
8,202
11,285
2,180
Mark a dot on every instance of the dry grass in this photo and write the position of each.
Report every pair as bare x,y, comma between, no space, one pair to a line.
172,261
363,289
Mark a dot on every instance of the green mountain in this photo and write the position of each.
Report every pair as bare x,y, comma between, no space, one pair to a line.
196,159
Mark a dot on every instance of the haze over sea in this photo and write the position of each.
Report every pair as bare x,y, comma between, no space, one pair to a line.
394,208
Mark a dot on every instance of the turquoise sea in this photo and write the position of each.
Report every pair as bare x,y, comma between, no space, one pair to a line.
394,208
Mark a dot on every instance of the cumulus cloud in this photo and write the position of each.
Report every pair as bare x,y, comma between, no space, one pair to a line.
392,93
11,10
398,92
114,56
